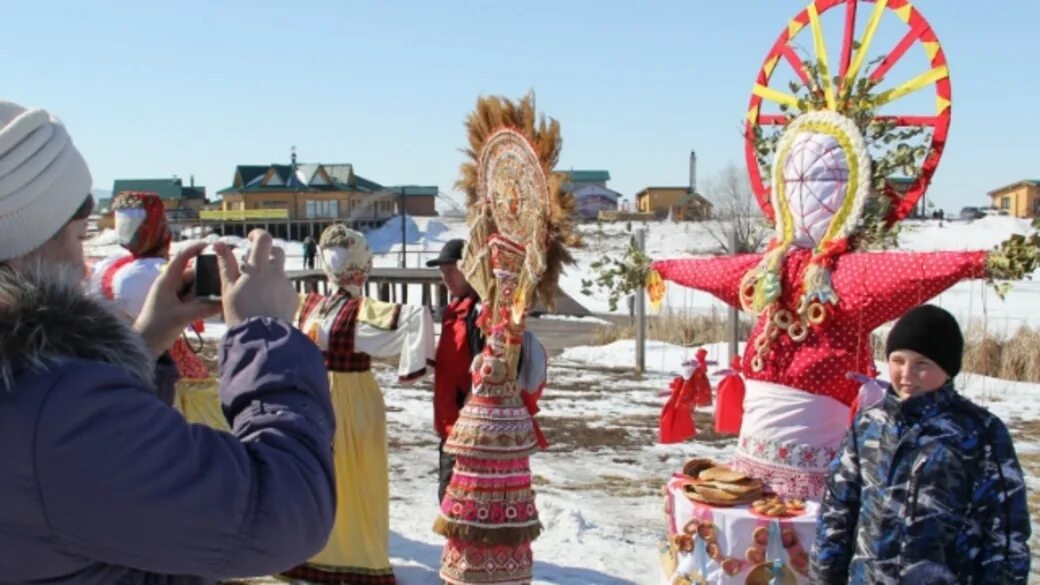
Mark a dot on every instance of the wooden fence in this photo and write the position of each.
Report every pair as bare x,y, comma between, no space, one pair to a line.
386,284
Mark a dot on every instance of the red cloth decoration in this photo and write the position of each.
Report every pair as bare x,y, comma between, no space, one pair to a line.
676,423
453,358
110,274
699,380
189,365
729,413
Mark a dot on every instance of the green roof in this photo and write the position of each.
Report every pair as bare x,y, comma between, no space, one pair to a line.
415,190
587,176
342,178
284,172
165,188
362,184
193,192
247,173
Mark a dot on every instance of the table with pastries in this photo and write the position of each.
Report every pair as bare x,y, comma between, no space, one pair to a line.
726,528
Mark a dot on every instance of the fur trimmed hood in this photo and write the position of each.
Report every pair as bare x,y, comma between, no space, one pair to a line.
43,317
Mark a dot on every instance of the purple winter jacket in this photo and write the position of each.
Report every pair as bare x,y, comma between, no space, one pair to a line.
103,483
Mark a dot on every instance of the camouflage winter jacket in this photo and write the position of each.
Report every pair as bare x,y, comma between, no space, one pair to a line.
925,490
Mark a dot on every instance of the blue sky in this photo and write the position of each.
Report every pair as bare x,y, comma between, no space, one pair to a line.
153,89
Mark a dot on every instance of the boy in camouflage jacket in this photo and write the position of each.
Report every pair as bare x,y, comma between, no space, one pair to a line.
927,487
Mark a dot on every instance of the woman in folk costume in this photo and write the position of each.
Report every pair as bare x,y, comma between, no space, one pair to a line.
520,224
818,300
351,329
142,231
125,278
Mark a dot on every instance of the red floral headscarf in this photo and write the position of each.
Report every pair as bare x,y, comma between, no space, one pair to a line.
141,224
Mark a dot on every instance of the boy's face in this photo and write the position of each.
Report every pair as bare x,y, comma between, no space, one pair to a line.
913,374
454,280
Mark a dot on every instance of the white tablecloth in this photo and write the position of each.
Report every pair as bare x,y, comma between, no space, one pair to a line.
735,529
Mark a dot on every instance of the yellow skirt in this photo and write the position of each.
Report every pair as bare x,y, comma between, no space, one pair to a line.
199,402
358,548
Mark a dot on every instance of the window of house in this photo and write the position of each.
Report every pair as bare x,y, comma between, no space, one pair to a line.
319,209
1005,203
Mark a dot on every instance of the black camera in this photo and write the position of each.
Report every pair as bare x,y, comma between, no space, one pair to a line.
207,277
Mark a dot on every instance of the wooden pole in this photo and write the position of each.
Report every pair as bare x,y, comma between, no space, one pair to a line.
734,314
404,244
640,305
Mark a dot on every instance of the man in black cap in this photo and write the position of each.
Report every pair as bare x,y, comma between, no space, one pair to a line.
460,341
927,487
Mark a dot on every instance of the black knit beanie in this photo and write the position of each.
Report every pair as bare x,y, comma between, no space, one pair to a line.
931,332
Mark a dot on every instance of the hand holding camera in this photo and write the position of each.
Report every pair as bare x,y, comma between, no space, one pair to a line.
259,287
180,296
170,306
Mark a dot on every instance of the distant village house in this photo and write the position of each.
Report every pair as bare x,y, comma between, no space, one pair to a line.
591,194
307,197
322,191
1019,199
679,203
291,201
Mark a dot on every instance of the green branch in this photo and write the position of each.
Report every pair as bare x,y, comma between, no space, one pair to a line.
618,277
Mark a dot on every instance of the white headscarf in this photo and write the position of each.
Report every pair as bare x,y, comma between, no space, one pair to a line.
345,258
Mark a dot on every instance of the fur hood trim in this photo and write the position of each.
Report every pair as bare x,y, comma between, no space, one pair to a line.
45,316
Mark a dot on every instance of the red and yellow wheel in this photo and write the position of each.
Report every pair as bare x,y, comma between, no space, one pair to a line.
852,64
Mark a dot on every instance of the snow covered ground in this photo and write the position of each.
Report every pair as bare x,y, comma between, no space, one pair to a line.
599,482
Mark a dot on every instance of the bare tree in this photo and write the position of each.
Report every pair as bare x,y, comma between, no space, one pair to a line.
734,209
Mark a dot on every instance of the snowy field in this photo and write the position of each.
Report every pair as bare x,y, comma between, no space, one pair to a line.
599,482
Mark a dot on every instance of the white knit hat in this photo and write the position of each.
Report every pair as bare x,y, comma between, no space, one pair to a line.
43,179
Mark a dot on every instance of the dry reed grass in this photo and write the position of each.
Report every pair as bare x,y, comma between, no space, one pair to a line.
1015,357
679,328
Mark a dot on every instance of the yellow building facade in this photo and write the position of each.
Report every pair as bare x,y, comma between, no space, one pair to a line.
1021,199
676,201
